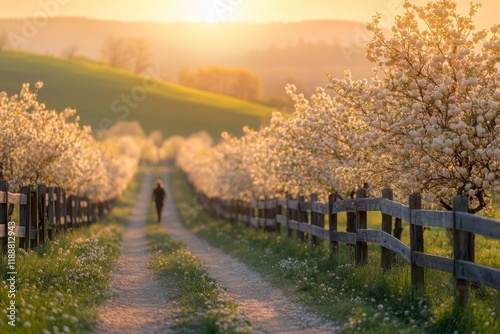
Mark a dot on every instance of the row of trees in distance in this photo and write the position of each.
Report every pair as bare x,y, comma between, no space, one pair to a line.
236,82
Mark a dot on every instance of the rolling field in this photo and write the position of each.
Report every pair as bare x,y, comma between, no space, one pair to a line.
104,95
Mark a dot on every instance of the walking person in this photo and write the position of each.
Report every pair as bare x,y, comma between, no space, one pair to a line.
160,194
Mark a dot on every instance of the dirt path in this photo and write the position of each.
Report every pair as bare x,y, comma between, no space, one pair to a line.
140,302
267,307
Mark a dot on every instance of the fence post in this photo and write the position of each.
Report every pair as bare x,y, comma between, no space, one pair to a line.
70,211
416,244
246,213
387,256
91,212
333,224
267,215
289,216
4,187
320,222
253,214
25,218
351,218
234,212
50,212
88,211
238,211
64,208
58,209
96,212
261,212
42,194
243,212
277,211
361,223
83,210
314,218
302,217
460,252
76,212
317,219
78,209
34,219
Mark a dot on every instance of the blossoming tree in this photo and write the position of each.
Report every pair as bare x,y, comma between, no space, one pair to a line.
433,103
38,145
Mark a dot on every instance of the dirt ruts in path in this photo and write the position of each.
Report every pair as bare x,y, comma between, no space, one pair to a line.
140,302
267,307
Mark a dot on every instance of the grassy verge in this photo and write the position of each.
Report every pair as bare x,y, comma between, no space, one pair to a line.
360,300
59,286
203,304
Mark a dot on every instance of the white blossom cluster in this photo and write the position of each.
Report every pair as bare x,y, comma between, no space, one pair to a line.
38,145
428,121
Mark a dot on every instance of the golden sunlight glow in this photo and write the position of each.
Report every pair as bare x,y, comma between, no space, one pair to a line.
213,11
209,11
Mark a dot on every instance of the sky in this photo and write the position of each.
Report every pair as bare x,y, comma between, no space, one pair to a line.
213,11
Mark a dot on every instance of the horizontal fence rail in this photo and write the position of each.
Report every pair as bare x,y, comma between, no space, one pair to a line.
36,214
303,218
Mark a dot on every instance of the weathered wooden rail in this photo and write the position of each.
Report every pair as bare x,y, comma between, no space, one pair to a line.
300,217
42,213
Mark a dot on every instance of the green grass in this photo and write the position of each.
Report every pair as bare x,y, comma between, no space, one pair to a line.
359,300
203,304
60,286
92,89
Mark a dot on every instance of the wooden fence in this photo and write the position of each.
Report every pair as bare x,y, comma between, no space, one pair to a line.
301,217
42,213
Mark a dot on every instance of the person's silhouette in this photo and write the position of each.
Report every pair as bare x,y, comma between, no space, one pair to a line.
160,193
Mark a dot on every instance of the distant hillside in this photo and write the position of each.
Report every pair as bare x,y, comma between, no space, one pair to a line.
103,95
290,50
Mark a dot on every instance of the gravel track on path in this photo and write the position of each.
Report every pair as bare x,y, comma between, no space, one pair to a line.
267,307
139,302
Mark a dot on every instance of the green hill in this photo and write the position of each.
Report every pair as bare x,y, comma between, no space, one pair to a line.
103,96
